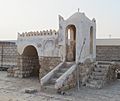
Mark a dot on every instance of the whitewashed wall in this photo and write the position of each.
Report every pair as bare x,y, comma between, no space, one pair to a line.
45,42
82,24
53,44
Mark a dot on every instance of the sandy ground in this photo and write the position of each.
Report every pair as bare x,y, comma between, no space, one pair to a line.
13,89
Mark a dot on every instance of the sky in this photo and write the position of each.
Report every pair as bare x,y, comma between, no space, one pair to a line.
37,15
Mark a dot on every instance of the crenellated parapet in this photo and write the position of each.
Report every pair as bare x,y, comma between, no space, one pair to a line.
38,33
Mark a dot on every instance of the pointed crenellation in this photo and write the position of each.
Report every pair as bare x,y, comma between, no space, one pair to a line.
38,33
60,18
93,20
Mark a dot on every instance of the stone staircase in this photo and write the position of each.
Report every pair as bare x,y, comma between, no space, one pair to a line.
98,76
50,86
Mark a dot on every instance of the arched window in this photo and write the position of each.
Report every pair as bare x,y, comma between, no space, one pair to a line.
91,40
70,43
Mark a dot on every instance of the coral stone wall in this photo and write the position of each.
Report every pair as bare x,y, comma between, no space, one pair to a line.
85,71
47,64
107,53
8,54
27,67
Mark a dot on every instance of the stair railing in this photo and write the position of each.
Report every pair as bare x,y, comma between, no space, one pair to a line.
60,81
49,75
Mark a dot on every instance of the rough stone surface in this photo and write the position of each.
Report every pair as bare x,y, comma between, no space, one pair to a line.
8,54
47,64
107,53
70,82
28,67
85,70
101,74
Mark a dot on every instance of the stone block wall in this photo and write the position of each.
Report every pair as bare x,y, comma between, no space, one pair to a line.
70,82
47,64
85,71
27,67
111,73
8,54
107,53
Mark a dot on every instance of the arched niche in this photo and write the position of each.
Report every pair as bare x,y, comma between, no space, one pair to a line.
70,43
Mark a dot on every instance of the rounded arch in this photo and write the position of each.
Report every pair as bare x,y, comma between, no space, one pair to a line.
70,42
30,50
22,47
71,27
30,61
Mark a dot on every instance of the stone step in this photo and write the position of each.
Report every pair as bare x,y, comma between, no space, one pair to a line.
68,64
53,80
49,87
98,69
95,82
57,75
103,63
103,66
63,70
96,77
98,73
90,85
93,86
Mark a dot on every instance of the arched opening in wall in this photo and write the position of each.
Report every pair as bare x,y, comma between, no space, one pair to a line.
91,40
30,62
70,43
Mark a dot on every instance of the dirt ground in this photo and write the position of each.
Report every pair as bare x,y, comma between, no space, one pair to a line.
13,89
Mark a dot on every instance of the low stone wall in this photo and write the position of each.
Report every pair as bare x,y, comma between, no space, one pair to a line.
70,82
111,73
26,67
33,67
107,53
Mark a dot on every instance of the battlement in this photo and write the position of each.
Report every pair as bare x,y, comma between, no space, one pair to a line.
38,33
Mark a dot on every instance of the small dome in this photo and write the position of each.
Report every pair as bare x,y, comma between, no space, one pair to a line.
76,15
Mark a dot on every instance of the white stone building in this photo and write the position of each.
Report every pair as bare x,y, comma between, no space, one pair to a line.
65,58
74,33
53,56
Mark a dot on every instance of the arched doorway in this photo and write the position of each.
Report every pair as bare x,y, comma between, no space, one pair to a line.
91,40
30,61
70,43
